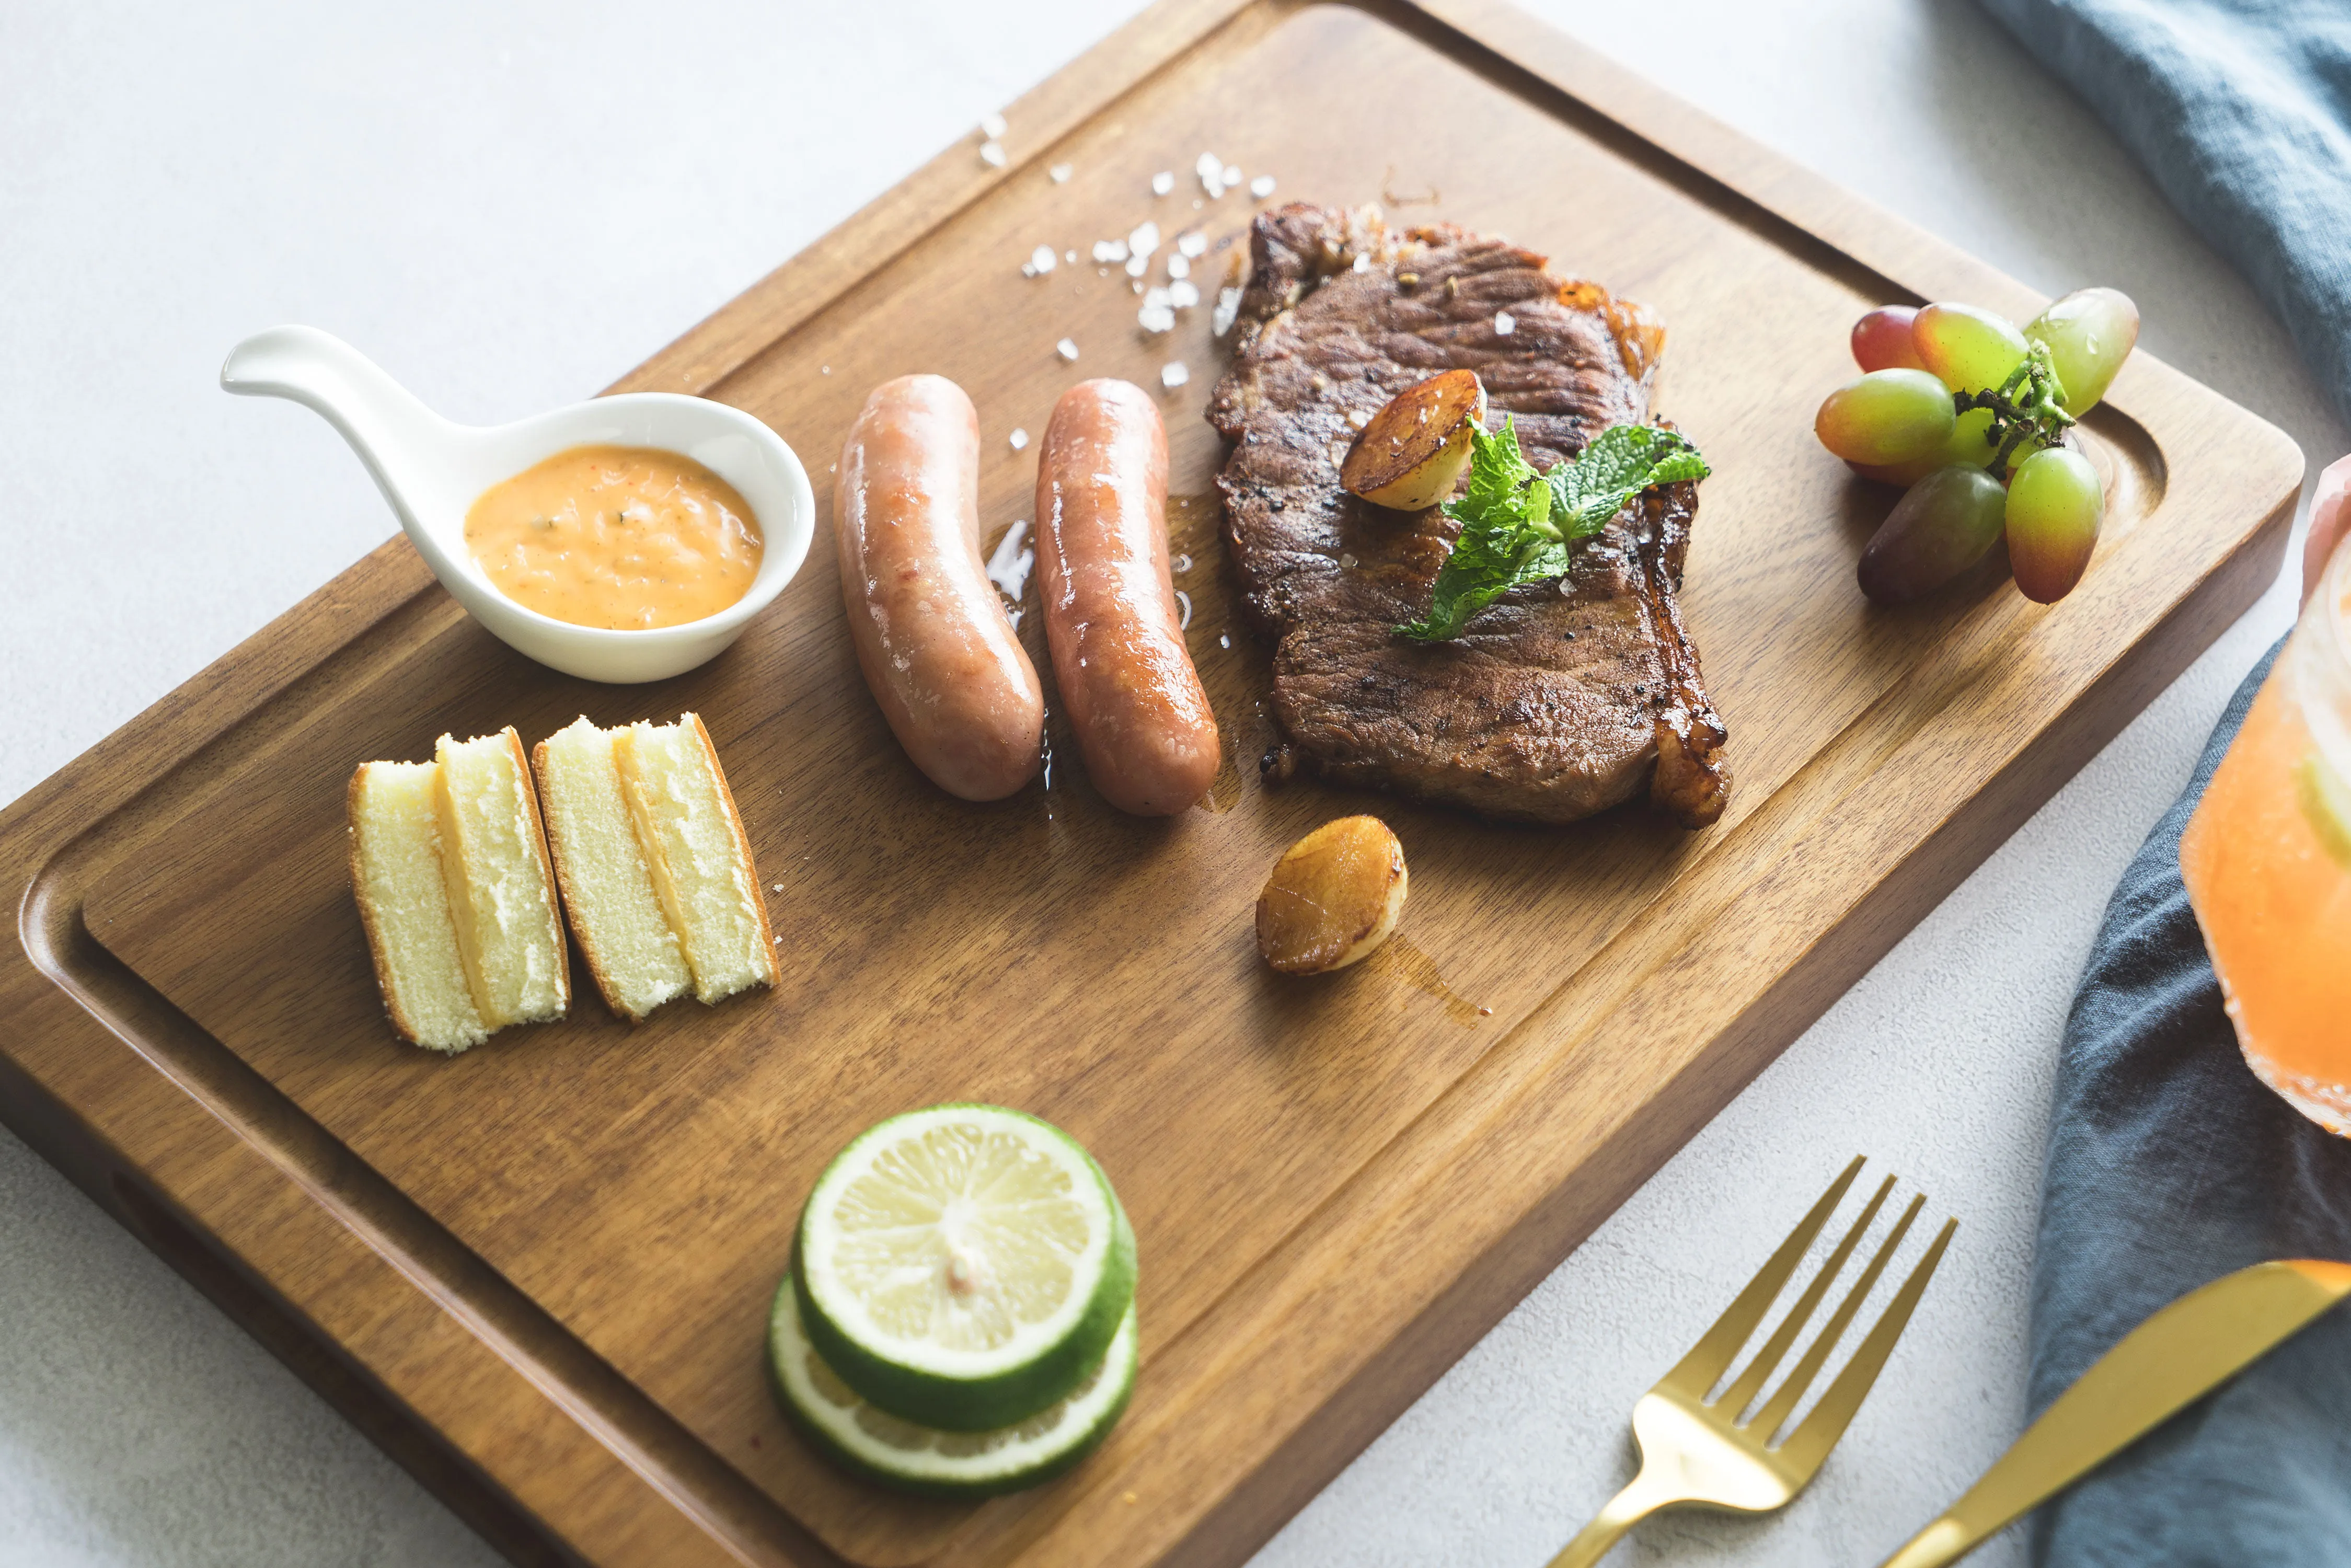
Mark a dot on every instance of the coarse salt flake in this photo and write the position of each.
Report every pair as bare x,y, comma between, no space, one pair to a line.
1020,439
1363,261
1209,165
1194,244
1108,250
1156,297
1183,294
1137,265
1066,348
1042,258
1059,174
1232,176
1174,373
1144,240
1156,319
1261,187
992,154
1178,266
1163,182
1504,324
992,126
1228,309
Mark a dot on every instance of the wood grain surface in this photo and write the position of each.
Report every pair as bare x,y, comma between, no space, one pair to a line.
539,1271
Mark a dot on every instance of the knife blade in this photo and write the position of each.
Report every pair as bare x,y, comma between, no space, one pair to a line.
2160,1367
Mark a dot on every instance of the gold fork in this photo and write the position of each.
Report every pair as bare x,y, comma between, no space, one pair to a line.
1697,1449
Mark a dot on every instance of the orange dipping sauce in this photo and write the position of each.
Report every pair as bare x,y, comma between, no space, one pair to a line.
624,538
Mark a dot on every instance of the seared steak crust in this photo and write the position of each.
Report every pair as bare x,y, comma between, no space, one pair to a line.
1561,699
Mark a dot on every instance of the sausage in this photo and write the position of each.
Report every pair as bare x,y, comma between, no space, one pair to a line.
1144,723
937,649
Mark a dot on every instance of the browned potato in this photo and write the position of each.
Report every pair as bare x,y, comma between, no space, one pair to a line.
1413,452
1333,896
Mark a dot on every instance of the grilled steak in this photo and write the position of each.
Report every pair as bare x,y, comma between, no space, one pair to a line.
1561,699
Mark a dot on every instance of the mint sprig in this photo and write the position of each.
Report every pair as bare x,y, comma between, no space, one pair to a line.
1518,527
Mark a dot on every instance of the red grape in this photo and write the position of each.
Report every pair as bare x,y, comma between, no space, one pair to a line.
1881,339
2089,334
1948,521
2055,507
1969,348
1886,417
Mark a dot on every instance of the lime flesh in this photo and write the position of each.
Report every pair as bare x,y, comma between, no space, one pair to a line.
963,1267
913,1457
2326,802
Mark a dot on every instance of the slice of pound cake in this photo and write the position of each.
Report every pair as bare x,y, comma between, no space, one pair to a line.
404,902
500,887
608,889
449,867
648,845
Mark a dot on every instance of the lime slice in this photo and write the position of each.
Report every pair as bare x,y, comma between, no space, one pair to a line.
2326,801
924,1458
963,1267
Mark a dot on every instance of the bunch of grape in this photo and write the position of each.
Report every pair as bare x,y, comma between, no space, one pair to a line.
1975,418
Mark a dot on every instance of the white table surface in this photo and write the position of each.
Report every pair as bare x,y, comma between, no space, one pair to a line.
510,203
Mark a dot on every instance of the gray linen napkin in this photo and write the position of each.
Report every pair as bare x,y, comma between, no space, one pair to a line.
2241,111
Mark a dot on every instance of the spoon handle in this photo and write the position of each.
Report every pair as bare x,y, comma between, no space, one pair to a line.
402,442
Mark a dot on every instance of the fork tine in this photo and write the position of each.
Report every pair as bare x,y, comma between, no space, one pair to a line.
1742,1393
1809,1444
1775,1410
1696,1373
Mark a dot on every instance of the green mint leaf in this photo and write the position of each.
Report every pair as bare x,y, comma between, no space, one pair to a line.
1622,461
1485,564
1518,527
1499,478
1504,516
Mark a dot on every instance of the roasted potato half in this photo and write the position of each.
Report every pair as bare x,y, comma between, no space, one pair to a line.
1333,896
1409,457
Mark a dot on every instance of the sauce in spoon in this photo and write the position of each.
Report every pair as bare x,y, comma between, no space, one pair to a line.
623,537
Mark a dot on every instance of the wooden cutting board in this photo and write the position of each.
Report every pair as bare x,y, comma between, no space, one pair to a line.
539,1271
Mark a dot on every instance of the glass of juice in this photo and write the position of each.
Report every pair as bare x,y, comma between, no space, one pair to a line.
2267,859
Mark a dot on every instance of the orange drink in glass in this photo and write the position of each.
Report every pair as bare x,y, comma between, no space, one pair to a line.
2267,860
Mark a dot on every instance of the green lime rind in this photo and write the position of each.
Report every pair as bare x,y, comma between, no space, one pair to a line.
929,1461
966,1392
2326,801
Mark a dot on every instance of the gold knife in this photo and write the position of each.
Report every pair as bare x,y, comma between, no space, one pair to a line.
2190,1347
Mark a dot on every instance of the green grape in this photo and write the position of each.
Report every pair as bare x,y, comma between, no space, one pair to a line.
1948,521
2055,507
1970,443
1886,417
1969,348
2089,334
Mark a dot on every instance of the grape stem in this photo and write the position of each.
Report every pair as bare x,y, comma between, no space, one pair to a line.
2025,407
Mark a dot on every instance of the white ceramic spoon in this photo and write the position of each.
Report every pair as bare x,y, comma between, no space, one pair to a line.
432,471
